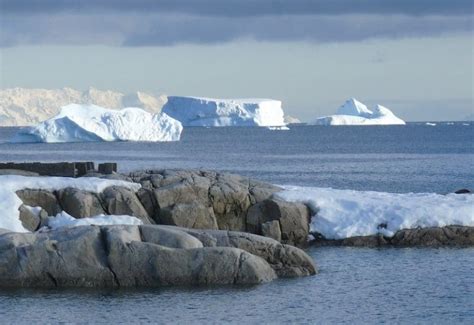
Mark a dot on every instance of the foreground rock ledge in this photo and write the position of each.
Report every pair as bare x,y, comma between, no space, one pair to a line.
449,236
147,255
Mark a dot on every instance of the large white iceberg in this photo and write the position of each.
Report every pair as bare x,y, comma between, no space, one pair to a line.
347,213
354,112
195,111
83,123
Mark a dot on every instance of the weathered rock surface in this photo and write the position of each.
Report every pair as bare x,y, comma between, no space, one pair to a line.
80,204
293,219
461,236
148,255
40,198
186,198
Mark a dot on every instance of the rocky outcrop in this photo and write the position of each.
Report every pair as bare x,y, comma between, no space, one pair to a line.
186,198
461,236
148,255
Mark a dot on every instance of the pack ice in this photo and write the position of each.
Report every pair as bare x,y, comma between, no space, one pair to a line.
354,112
196,111
83,123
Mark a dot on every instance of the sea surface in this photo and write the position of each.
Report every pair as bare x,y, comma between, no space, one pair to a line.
355,285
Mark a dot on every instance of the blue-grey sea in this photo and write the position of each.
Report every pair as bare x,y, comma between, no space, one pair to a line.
355,285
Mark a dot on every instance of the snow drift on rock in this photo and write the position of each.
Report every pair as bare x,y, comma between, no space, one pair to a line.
354,112
346,213
195,111
63,219
82,123
10,184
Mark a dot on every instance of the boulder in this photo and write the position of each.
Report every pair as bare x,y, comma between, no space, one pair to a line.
40,198
272,230
193,215
147,255
123,201
29,219
293,219
80,204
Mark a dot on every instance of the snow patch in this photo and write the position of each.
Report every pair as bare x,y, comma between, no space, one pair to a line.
347,213
354,112
196,111
63,219
10,184
83,123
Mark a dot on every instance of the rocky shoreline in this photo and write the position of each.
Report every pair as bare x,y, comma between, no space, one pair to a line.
198,228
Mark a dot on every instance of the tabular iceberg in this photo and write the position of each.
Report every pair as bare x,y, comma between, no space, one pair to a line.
84,123
195,111
354,112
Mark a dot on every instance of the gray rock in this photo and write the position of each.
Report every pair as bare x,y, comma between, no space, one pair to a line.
272,230
40,198
293,219
17,172
29,220
147,255
461,236
286,260
123,201
80,204
193,215
148,200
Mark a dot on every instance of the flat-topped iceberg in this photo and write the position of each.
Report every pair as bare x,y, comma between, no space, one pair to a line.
195,111
354,112
84,123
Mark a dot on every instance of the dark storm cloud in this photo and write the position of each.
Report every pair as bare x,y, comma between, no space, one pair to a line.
159,23
242,8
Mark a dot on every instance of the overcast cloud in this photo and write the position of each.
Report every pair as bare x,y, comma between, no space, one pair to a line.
164,23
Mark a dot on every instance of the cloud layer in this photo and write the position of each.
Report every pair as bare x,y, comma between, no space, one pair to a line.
168,22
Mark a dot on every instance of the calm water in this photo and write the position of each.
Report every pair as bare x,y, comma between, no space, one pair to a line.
355,285
412,158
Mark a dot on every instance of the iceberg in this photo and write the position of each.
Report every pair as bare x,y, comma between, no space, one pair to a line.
196,111
83,123
339,214
354,112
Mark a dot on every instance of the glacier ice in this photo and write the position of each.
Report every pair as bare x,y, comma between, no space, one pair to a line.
83,123
196,111
354,112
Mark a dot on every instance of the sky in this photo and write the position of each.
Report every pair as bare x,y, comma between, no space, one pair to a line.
413,56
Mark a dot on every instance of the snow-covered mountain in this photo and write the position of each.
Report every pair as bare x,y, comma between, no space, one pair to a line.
197,111
353,112
22,106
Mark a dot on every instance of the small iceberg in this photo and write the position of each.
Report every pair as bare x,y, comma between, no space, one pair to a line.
430,124
197,111
85,123
354,112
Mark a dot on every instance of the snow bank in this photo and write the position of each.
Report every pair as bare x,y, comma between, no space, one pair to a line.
65,220
82,123
354,112
345,213
10,202
195,111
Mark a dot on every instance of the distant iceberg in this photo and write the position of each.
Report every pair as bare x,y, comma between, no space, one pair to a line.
354,112
196,111
85,123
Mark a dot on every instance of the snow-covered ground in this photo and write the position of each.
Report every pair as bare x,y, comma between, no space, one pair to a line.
346,213
10,202
65,220
354,112
82,123
196,111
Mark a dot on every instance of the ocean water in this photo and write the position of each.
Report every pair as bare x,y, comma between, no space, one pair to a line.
412,158
355,285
